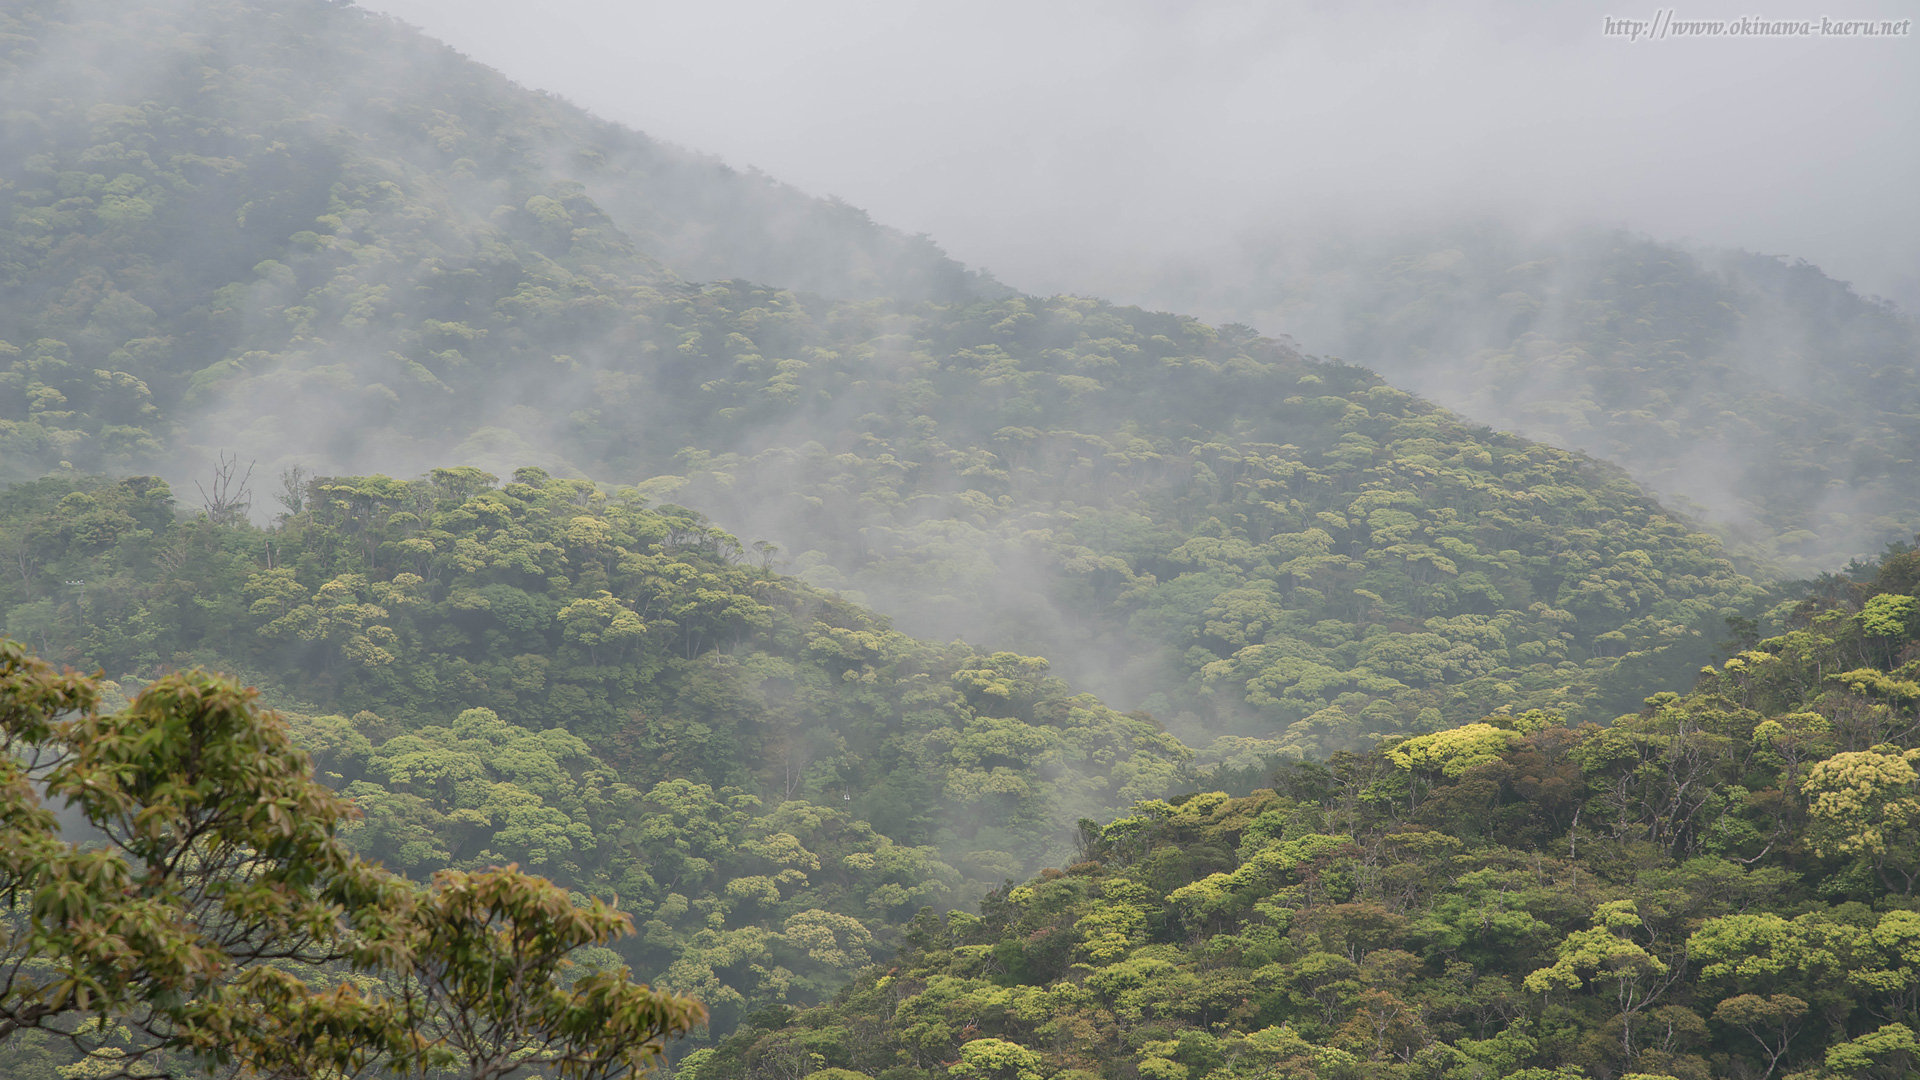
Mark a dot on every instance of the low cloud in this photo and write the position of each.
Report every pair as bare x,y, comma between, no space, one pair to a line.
1074,147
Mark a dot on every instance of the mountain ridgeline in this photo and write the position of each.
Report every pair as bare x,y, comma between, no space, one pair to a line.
720,554
1774,402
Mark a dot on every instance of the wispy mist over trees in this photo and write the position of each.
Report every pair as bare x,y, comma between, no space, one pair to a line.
1776,404
200,193
733,560
1181,516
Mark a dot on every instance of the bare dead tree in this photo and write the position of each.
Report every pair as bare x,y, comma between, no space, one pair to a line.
229,499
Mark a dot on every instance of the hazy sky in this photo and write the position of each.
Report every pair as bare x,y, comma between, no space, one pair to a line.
1057,144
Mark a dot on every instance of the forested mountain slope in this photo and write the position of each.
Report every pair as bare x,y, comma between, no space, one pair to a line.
386,279
235,245
768,779
156,152
1778,402
1263,542
1723,885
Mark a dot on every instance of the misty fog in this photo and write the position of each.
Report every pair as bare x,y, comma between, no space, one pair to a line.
1085,147
1258,164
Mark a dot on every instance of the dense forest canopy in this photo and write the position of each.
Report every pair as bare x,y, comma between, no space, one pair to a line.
1373,741
1723,884
768,779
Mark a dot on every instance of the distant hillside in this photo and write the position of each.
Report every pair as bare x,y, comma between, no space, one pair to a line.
270,105
1777,403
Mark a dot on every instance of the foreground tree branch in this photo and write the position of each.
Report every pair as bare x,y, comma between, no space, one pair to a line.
213,916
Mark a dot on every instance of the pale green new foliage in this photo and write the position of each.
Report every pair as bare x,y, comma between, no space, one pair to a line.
1110,930
1763,951
833,940
1886,1053
1888,615
1255,877
996,1059
1454,751
1867,804
1604,952
600,621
